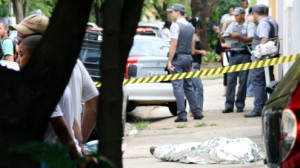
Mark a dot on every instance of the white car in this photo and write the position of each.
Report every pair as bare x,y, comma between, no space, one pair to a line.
150,28
148,57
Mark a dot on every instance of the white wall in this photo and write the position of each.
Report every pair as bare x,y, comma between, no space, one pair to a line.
288,12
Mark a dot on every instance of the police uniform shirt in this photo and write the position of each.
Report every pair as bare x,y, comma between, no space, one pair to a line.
175,28
263,28
248,30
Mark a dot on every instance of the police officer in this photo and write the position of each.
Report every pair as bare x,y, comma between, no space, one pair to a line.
180,60
264,31
240,32
274,35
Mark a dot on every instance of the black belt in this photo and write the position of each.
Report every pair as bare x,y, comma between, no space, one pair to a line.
245,52
181,53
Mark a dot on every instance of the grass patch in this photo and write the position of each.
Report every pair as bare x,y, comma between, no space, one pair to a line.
141,125
181,126
201,125
205,125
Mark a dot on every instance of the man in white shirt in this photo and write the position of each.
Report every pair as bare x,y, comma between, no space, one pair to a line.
84,90
81,85
245,5
62,120
226,18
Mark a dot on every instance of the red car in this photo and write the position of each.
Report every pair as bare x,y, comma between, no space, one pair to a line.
281,122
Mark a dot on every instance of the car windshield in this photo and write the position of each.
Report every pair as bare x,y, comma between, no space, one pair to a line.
149,47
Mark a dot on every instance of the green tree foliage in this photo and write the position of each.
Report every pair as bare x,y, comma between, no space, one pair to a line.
4,8
159,7
45,5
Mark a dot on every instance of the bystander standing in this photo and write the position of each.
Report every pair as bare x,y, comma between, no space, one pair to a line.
62,119
6,46
197,60
81,84
165,33
224,22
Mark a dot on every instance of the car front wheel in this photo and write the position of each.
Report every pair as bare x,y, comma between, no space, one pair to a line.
173,108
130,106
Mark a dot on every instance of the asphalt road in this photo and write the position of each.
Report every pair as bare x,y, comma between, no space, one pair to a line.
162,130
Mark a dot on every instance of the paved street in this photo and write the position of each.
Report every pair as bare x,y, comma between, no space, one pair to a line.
163,130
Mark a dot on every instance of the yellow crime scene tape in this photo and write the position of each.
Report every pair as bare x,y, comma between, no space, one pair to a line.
212,71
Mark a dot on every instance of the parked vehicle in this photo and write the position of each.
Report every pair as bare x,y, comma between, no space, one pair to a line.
281,122
150,28
147,57
90,56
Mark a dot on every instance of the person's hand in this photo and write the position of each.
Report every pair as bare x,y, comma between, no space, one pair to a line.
82,148
234,35
88,160
216,29
171,68
203,52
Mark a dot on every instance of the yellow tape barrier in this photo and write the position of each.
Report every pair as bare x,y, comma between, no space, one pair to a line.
212,71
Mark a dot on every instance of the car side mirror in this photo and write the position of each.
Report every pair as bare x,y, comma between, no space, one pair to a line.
272,86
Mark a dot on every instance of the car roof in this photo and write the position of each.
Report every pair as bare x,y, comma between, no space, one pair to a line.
147,37
152,24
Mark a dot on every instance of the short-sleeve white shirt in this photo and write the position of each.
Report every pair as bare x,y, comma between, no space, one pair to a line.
82,88
65,109
263,29
225,18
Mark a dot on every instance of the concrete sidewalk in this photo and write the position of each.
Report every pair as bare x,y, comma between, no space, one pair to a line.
163,130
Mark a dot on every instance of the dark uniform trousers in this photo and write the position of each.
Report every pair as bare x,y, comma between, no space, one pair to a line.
232,82
184,87
259,89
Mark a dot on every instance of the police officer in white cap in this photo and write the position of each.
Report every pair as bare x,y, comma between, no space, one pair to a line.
264,31
241,32
180,60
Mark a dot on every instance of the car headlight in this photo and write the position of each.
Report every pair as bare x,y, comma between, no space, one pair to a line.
288,132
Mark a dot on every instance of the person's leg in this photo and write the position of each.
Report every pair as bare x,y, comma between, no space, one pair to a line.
188,88
191,97
230,92
201,91
243,76
231,85
198,87
249,84
178,89
225,83
259,88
